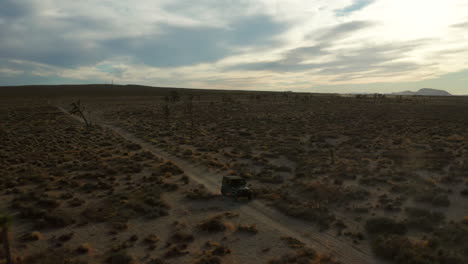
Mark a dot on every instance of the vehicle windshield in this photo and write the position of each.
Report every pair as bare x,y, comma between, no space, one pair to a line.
238,182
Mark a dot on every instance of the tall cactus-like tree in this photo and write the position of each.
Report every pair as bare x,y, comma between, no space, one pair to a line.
5,221
78,109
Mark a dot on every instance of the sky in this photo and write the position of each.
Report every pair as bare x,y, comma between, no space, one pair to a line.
342,46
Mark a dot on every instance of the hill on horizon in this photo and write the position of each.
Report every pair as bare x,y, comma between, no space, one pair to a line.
425,92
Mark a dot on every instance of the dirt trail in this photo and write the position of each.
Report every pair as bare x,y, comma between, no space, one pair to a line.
324,242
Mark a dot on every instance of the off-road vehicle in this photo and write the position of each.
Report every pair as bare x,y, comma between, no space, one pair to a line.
235,186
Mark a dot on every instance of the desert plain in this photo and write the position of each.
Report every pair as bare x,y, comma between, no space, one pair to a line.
136,178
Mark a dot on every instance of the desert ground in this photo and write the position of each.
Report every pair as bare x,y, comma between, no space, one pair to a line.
136,179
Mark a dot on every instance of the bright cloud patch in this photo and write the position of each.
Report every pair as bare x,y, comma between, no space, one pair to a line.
245,44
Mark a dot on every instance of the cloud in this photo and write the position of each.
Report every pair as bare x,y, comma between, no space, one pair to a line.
340,31
181,46
463,25
348,60
12,9
355,6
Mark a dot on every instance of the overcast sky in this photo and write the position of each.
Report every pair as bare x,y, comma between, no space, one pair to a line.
299,45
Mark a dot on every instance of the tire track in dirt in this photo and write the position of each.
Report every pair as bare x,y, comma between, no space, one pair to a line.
321,241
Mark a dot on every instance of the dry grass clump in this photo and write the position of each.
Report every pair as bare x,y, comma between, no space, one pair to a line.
292,242
176,251
151,240
84,248
169,167
252,228
33,236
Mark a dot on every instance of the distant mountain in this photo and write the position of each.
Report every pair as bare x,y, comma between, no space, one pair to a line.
425,92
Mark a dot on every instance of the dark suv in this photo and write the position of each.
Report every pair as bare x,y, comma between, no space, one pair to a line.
235,186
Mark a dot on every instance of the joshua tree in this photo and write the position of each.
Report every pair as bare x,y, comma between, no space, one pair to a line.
166,113
175,97
5,221
78,109
190,113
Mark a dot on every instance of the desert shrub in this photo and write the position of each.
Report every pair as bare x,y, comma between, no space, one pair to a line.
216,249
55,219
453,236
403,250
433,197
132,146
304,255
372,181
48,203
121,257
169,167
311,212
322,192
75,202
176,251
213,224
208,259
180,237
52,257
33,236
84,248
423,219
98,214
268,176
283,169
356,194
441,200
156,261
382,225
66,237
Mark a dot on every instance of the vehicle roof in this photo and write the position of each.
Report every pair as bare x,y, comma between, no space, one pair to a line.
233,177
